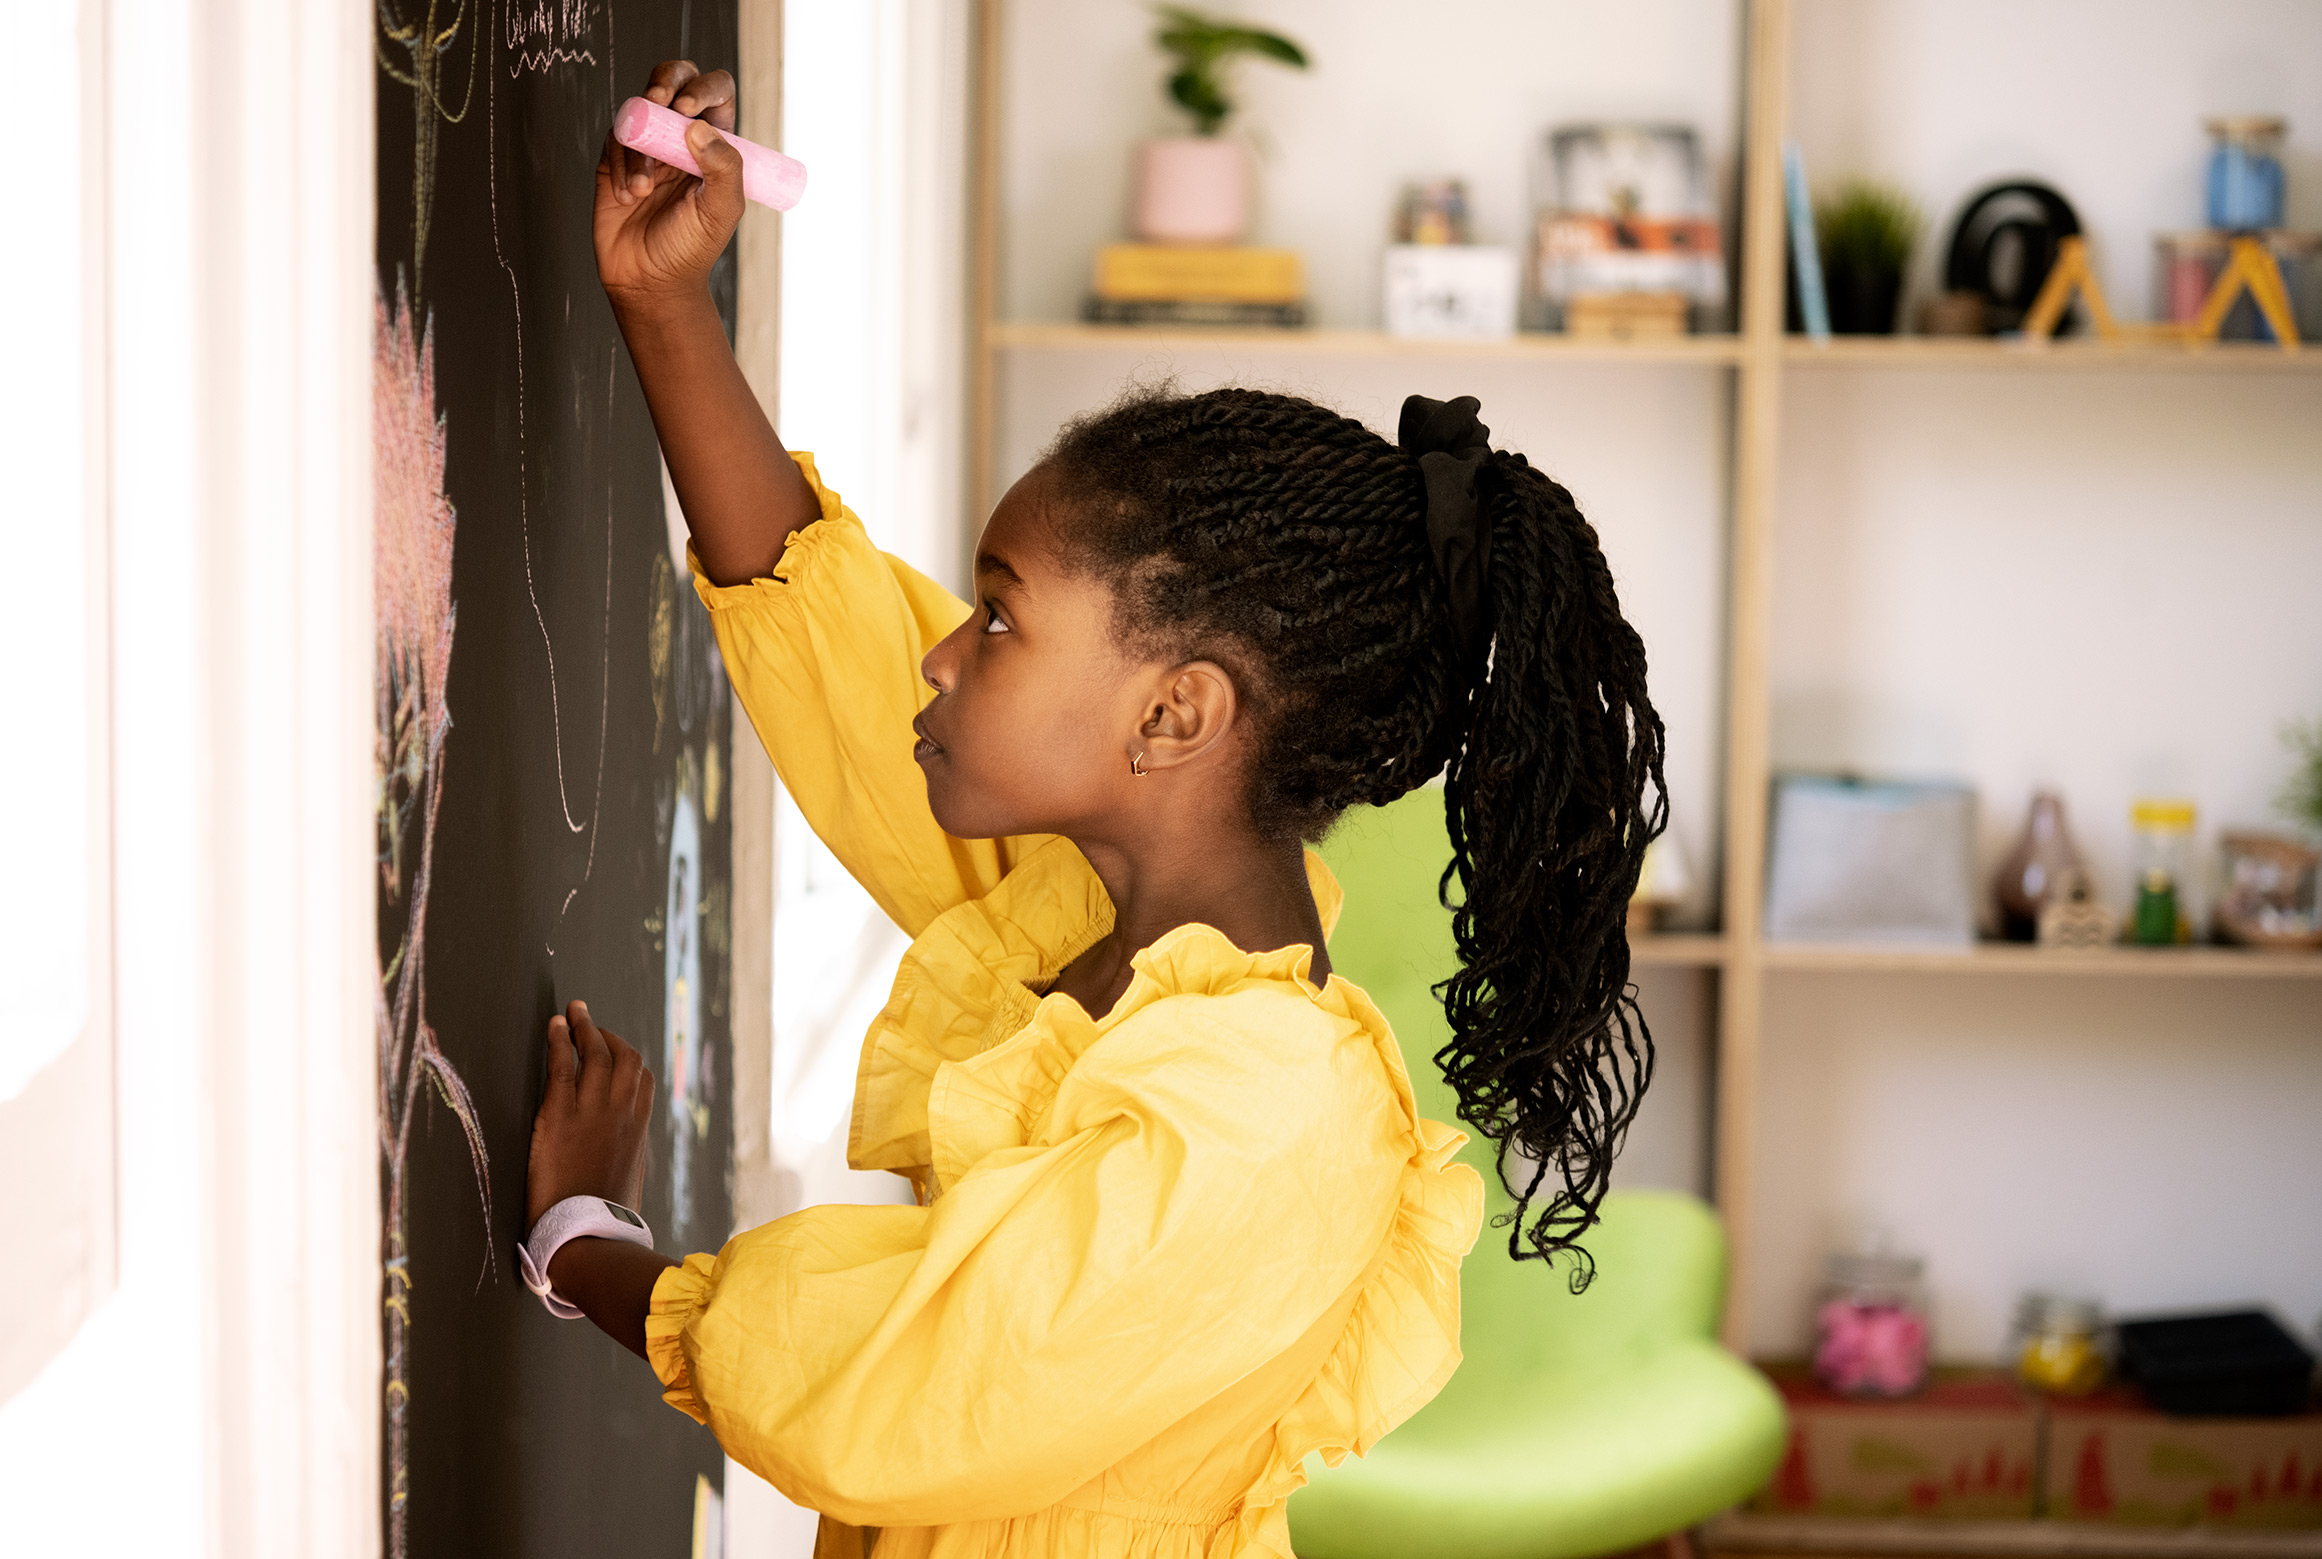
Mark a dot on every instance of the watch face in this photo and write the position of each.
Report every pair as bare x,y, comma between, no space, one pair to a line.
626,1216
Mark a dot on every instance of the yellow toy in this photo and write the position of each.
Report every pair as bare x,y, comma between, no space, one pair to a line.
2248,264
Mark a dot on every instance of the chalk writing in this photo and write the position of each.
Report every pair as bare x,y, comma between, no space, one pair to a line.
549,33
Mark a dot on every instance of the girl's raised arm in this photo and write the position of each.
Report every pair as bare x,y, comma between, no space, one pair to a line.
658,232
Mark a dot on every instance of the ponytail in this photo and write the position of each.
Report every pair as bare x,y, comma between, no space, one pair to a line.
1547,806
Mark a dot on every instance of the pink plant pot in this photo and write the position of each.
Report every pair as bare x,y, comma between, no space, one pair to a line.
1191,189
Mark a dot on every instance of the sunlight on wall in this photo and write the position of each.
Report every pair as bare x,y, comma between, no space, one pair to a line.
873,103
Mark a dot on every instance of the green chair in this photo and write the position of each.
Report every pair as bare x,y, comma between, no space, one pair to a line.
1575,1425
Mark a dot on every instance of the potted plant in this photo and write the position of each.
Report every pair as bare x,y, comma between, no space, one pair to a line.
1865,233
2271,892
1195,189
2301,797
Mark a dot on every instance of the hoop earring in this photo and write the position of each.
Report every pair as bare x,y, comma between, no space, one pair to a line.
1137,764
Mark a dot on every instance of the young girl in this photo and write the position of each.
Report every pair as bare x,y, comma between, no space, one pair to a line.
1178,1224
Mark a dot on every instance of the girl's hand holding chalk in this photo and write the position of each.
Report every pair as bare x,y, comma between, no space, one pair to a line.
672,182
768,177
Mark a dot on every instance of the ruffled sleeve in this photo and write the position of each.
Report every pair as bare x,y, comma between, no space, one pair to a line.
1121,1250
824,654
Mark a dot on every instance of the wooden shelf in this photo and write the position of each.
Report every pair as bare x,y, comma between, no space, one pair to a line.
1534,346
2011,958
1704,950
2075,355
1677,949
1985,354
1742,1532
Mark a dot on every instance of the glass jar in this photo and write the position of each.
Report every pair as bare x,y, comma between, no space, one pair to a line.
2161,859
2270,891
2244,184
2058,1344
1870,1324
2187,266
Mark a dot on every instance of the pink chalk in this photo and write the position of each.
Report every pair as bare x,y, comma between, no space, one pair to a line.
768,177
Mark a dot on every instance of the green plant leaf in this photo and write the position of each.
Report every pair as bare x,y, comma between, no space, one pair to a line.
1271,44
1196,92
2301,795
1203,46
1867,226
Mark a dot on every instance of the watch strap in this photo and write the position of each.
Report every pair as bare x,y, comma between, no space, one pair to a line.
574,1218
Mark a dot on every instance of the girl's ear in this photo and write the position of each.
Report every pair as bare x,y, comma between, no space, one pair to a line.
1187,716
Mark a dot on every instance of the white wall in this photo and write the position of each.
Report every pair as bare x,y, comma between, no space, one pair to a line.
2106,582
874,262
61,1446
874,103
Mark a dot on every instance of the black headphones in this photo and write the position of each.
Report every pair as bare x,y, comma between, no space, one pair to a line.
2004,247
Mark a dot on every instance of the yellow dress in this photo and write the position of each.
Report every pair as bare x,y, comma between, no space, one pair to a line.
1161,1257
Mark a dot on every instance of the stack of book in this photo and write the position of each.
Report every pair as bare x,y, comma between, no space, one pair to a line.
1196,284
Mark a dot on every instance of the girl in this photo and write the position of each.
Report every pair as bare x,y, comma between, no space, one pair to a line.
1178,1224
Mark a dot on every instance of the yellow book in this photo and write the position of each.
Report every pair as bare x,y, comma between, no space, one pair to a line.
1173,273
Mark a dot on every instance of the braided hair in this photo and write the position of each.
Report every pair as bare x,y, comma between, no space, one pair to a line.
1290,545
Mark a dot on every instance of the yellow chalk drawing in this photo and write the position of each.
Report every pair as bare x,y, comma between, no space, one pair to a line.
425,41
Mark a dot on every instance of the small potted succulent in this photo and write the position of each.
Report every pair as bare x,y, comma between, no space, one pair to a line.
1865,233
1195,189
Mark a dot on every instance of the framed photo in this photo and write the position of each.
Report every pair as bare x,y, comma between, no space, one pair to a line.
1624,209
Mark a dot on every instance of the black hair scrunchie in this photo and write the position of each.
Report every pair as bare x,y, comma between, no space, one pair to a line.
1451,445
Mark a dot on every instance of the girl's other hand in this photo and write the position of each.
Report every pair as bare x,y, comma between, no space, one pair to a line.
589,1137
658,228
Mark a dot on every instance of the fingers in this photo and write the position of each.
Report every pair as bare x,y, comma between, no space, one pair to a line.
668,79
681,86
563,1064
632,172
708,97
630,1081
613,169
596,1057
721,178
611,1070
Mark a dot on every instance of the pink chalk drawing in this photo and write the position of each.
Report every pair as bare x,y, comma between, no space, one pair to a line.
414,526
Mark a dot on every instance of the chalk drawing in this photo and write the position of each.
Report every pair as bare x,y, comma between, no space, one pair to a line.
524,475
681,1044
524,497
543,35
424,42
415,525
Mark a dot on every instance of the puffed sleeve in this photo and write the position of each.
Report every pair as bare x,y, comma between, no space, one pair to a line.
824,654
1185,1219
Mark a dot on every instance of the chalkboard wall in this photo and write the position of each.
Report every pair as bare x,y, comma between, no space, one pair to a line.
554,753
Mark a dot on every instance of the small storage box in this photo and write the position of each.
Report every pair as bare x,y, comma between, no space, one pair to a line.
1856,861
2234,1363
